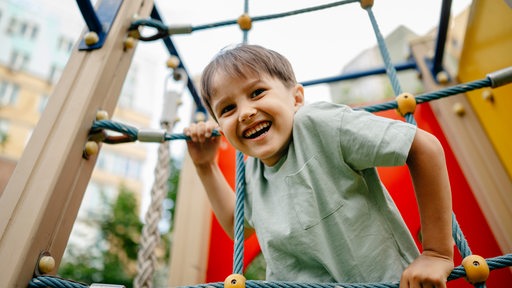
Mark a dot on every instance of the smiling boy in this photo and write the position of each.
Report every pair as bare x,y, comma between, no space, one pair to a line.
314,198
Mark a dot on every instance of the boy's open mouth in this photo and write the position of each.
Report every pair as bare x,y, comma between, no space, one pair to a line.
257,130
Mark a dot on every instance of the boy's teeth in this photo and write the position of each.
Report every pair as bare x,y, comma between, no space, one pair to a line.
256,129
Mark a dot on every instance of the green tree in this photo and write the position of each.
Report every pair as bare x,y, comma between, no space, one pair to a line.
112,259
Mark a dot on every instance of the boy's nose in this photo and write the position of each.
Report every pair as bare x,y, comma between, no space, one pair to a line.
246,113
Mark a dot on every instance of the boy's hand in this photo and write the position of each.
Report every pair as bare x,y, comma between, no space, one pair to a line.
430,269
202,147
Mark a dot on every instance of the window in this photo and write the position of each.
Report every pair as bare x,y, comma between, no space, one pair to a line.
13,24
8,93
23,29
19,60
119,165
4,128
127,98
54,74
43,101
64,44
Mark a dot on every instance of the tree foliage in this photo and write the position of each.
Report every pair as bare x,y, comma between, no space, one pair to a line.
112,258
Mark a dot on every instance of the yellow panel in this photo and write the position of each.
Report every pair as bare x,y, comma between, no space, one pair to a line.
487,48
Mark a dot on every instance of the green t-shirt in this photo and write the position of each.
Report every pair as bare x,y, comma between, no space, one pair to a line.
321,213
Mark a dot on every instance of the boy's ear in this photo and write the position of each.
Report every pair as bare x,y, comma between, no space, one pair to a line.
298,96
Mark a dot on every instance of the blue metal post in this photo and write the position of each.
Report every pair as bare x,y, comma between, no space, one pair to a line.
437,65
172,50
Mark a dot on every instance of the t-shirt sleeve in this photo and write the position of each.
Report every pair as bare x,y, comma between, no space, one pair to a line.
361,139
368,140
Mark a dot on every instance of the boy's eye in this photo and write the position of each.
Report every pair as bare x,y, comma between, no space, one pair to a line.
257,92
227,109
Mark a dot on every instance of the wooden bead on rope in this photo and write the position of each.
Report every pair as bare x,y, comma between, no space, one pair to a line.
245,22
406,104
234,281
488,96
459,109
101,115
91,38
129,43
91,148
442,77
366,3
46,264
200,117
173,62
477,270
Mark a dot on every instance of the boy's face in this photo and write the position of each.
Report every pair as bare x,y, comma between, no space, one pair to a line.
256,113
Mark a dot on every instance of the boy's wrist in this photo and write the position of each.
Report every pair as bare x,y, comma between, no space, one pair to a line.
447,255
205,167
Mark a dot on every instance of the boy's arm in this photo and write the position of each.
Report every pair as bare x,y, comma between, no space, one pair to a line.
429,173
220,194
203,150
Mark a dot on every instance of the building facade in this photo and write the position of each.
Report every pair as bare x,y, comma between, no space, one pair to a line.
37,38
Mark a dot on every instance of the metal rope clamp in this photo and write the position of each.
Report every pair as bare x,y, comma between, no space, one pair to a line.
151,135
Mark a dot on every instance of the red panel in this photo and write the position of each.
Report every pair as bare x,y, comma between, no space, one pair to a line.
220,259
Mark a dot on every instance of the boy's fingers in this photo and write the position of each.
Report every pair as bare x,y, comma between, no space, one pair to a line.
199,132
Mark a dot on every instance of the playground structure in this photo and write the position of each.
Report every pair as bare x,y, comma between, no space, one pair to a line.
41,201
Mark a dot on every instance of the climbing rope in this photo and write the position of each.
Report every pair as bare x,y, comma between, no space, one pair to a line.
458,272
150,238
132,134
164,30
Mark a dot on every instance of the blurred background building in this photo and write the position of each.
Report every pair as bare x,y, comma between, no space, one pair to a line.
37,38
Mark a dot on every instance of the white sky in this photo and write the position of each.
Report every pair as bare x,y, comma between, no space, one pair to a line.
318,44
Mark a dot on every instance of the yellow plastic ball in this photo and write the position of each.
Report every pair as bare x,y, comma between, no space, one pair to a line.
129,43
173,62
487,95
91,38
245,22
46,264
366,3
459,109
101,115
91,148
200,117
234,281
477,270
406,104
442,77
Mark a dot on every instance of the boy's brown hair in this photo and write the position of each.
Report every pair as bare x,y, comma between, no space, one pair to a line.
241,60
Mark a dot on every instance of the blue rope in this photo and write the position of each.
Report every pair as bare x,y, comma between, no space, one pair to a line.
164,30
274,16
390,69
460,240
430,96
458,272
131,133
54,282
245,37
238,260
